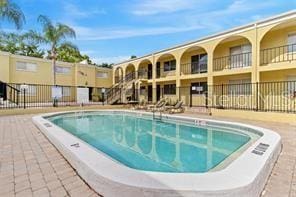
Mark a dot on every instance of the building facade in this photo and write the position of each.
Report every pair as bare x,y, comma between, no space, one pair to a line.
37,75
252,67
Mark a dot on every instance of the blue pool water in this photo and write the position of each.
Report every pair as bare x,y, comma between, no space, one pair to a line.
153,145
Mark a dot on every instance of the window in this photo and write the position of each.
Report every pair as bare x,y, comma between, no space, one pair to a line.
199,88
169,89
62,70
292,43
66,91
29,90
240,87
25,66
240,56
292,85
199,63
142,90
169,65
102,75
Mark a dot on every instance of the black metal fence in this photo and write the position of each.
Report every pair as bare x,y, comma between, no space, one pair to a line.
194,67
278,54
264,96
38,96
232,61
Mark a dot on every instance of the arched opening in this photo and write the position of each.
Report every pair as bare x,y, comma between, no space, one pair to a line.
118,74
278,45
130,72
145,69
232,53
166,66
194,61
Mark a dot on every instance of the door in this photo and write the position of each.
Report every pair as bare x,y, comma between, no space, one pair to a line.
194,64
90,90
150,92
199,94
235,60
157,69
158,92
3,91
149,71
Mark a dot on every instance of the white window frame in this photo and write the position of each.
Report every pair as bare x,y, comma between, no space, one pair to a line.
62,70
27,66
243,60
291,42
105,75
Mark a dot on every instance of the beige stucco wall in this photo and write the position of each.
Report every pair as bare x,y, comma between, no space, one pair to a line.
79,75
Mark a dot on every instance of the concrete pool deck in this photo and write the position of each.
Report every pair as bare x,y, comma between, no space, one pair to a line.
30,165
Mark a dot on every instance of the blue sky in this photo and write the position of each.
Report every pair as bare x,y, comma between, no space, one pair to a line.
113,30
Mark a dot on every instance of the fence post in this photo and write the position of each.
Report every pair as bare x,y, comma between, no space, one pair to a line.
257,94
24,98
222,106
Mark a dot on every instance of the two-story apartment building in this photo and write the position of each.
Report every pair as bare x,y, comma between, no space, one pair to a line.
37,75
248,67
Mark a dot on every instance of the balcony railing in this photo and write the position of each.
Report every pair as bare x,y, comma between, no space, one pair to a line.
144,74
233,61
194,68
130,76
164,73
278,54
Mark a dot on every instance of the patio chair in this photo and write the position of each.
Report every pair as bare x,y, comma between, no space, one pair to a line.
178,108
160,107
141,106
158,104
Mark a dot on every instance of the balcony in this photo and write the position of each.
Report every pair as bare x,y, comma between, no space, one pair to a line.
144,74
233,61
286,53
194,68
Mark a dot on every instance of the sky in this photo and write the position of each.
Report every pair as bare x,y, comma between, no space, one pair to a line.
113,30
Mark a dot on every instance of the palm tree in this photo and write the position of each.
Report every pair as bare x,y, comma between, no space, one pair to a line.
55,35
11,12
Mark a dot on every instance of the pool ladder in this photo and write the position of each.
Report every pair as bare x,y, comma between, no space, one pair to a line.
160,115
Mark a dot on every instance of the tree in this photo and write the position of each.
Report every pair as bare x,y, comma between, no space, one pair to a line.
68,53
21,44
55,35
133,57
105,65
11,12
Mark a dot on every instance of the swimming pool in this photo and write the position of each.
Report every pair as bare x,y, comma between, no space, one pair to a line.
128,153
144,143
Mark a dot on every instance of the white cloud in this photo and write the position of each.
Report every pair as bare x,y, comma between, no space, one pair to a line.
72,10
151,7
85,33
115,59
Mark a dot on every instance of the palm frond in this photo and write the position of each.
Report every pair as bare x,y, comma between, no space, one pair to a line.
69,45
65,31
11,12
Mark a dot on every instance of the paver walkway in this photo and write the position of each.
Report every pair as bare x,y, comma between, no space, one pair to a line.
31,166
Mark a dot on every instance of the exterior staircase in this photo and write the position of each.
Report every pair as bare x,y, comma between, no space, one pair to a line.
119,92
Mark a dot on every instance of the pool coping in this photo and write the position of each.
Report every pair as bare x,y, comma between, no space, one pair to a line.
245,176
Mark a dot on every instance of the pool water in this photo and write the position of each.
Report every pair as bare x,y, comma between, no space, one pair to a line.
153,145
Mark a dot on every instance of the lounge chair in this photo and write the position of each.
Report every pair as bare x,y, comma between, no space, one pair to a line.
141,106
178,108
159,107
158,104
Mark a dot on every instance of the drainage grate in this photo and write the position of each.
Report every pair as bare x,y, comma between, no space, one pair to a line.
75,145
47,125
260,149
